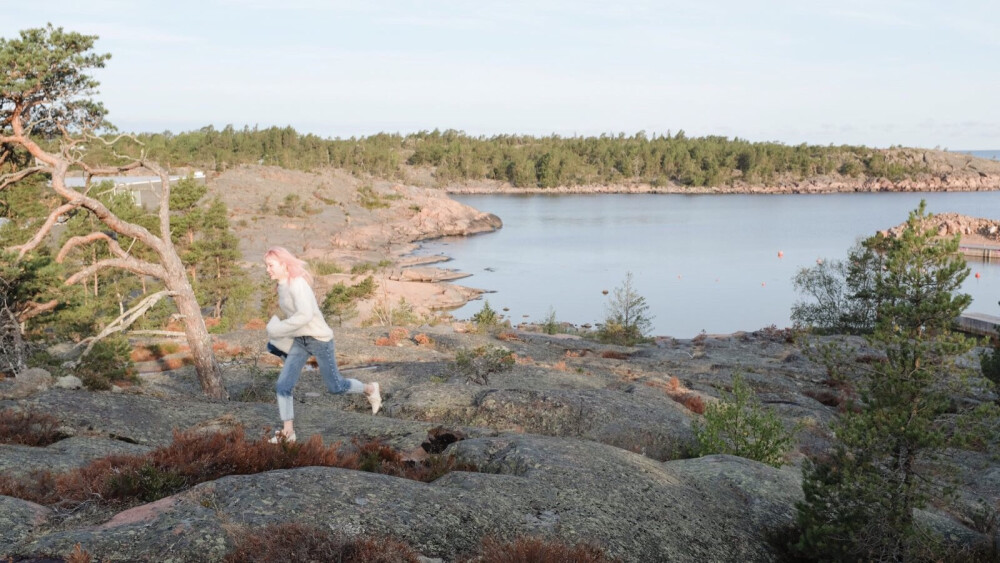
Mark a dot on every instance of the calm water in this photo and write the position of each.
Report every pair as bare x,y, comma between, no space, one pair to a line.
703,262
992,155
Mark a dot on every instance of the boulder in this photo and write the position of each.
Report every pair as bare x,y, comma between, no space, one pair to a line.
71,453
18,520
69,382
29,382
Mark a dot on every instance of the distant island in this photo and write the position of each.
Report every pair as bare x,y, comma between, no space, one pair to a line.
669,163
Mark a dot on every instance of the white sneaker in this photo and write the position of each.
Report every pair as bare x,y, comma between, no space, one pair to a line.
375,398
279,437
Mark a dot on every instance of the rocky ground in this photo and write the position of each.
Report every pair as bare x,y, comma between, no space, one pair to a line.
579,441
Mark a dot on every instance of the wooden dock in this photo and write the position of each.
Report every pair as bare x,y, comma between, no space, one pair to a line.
979,323
981,252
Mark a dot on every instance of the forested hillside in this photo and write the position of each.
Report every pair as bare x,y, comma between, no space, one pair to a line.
525,161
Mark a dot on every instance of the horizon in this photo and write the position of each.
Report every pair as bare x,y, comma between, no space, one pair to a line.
841,73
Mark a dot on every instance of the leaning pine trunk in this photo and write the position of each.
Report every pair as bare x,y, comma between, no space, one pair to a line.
200,342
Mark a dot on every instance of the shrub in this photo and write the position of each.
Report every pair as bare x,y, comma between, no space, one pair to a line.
298,542
261,386
28,428
291,206
538,550
477,364
339,301
371,200
365,267
196,458
694,403
325,268
487,319
550,325
741,426
387,313
627,318
108,362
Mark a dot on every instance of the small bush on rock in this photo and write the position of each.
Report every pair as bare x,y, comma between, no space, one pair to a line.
107,363
550,325
538,550
340,300
487,319
627,319
28,428
741,426
261,386
477,364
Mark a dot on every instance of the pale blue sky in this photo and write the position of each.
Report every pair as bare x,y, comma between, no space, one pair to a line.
873,72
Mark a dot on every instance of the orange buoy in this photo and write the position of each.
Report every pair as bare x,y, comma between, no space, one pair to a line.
762,284
819,261
977,275
781,254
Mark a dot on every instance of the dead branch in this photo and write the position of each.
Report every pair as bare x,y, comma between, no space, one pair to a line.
113,245
112,142
171,333
108,170
124,320
45,229
34,309
128,263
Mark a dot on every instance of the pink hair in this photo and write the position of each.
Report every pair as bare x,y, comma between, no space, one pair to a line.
296,267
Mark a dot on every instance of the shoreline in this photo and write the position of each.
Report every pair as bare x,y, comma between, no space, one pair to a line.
978,182
983,235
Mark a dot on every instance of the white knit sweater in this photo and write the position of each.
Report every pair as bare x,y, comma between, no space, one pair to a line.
302,315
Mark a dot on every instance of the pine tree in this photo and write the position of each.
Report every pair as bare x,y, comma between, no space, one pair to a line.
859,499
627,320
215,254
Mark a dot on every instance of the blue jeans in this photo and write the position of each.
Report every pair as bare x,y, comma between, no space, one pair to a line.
302,348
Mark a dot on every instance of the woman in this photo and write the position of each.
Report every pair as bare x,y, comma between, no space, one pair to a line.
303,333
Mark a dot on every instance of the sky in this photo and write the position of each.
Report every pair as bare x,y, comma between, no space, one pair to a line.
862,72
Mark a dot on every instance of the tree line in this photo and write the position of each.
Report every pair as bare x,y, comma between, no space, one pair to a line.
527,161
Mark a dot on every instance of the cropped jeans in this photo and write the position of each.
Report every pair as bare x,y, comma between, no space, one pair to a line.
302,348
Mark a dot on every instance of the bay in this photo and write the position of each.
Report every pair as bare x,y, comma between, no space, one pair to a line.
703,262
